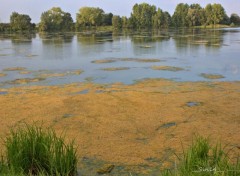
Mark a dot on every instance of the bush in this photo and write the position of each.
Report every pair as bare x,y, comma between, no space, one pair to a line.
30,150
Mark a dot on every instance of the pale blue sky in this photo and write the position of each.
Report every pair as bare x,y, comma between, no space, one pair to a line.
34,8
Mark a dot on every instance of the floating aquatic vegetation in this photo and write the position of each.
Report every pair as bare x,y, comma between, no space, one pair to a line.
25,80
4,55
3,74
212,76
49,75
199,42
167,68
103,61
15,69
140,60
25,72
31,55
145,46
115,68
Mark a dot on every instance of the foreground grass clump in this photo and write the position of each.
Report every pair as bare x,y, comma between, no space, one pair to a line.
202,159
31,150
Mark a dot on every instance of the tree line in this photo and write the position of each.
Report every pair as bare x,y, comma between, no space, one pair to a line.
142,16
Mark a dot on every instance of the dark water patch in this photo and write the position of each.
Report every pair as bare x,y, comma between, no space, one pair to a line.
166,125
3,92
100,91
192,104
67,115
85,91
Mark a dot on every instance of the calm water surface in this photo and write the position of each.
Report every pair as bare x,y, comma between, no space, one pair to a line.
58,56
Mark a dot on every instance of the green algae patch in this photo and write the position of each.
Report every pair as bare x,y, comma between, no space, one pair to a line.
103,61
211,76
3,74
167,68
140,60
15,69
68,73
31,55
145,46
25,72
116,68
25,80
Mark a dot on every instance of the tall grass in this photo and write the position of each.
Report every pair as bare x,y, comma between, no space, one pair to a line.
31,150
202,159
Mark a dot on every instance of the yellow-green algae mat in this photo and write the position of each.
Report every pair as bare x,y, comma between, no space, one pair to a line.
137,125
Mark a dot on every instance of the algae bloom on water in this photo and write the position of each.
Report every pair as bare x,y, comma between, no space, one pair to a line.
116,68
211,76
167,68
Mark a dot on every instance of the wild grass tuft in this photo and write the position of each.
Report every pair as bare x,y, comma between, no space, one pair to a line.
31,150
203,159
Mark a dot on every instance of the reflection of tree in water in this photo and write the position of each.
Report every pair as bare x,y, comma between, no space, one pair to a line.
88,38
194,39
22,37
56,38
148,37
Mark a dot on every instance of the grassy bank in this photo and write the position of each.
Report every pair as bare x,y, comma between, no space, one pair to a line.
203,159
32,150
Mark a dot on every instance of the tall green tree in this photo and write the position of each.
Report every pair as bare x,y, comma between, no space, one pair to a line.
125,22
116,22
20,22
89,16
194,15
107,19
214,14
179,18
55,20
157,19
142,15
167,20
235,19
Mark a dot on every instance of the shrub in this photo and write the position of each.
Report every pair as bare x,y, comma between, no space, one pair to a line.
30,150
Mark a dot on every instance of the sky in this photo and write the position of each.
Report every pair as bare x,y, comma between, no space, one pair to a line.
34,8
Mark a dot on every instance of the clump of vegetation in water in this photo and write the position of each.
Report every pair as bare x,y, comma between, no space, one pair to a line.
25,80
212,76
140,60
202,159
2,74
115,68
14,69
31,150
167,68
103,61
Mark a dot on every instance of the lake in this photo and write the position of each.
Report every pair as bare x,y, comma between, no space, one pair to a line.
109,57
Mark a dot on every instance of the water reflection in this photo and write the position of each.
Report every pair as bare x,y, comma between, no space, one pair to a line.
57,39
197,51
